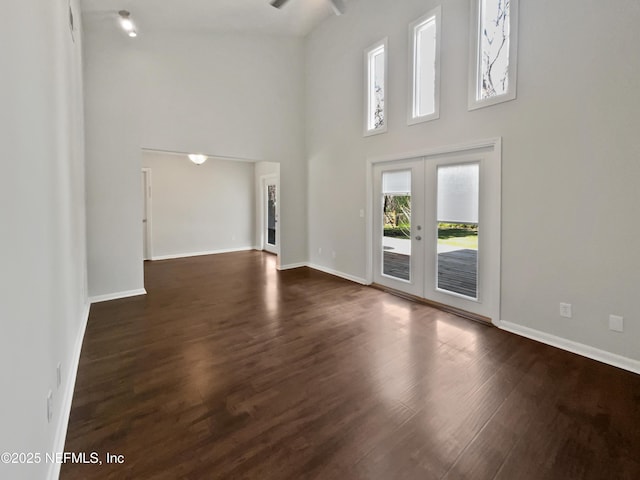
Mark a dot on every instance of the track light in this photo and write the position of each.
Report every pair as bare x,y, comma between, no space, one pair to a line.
127,24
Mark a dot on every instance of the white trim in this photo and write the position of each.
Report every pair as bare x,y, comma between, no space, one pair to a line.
337,273
291,266
330,271
579,348
67,399
211,156
117,295
412,118
435,151
474,58
367,81
199,254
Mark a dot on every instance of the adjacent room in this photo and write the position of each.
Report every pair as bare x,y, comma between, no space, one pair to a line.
320,239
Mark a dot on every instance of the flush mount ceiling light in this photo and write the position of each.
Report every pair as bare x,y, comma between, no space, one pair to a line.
127,24
198,158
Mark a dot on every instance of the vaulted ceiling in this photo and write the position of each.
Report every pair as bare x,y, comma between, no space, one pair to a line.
297,17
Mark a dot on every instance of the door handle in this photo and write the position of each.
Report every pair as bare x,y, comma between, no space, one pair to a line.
418,237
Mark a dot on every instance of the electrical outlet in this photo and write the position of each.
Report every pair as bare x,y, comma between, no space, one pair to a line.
320,251
361,213
59,375
49,406
566,310
333,254
616,323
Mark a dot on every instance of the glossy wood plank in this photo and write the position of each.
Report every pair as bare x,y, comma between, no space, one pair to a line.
229,369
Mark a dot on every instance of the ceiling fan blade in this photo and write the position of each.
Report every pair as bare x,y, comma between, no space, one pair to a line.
338,6
278,3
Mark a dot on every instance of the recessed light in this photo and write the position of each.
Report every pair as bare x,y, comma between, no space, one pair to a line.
127,24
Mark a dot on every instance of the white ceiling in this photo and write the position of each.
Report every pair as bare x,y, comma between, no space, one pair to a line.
297,17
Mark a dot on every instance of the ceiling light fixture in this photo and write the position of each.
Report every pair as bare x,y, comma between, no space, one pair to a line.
127,24
198,159
337,6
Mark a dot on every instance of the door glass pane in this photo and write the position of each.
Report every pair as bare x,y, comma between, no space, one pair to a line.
458,200
271,214
396,224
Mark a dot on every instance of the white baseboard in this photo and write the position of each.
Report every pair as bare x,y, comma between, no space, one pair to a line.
291,266
330,271
337,273
199,254
67,392
581,349
117,295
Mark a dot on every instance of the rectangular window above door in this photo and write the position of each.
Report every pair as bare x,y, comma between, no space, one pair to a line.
494,48
375,88
424,88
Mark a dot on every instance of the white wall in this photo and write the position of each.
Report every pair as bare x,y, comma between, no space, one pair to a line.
200,208
224,94
42,246
570,152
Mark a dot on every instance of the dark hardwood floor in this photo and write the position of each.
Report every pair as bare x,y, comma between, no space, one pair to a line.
229,369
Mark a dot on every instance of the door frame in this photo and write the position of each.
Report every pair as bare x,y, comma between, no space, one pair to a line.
264,181
146,226
491,150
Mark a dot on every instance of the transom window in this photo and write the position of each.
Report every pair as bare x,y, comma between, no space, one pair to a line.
376,80
424,44
494,48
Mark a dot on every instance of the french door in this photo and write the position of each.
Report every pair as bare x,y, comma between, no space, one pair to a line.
270,234
399,234
436,229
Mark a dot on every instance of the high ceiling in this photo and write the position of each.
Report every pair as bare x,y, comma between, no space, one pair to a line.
297,17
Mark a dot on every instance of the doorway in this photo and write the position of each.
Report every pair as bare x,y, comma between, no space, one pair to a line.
435,227
146,214
270,214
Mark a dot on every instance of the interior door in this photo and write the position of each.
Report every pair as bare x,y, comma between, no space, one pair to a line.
146,200
271,233
399,226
